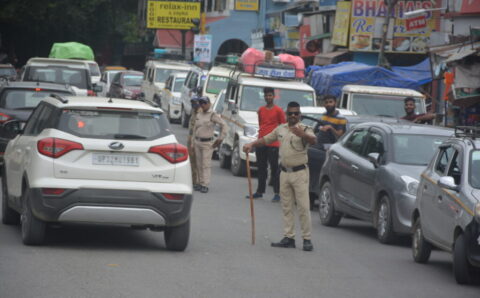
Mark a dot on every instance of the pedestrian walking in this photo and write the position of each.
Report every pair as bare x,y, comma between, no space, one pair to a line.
294,138
331,127
190,142
269,117
204,143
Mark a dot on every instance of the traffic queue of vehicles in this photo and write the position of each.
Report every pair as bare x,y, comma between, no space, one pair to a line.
399,176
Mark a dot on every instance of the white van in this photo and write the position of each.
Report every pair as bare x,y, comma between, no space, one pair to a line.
155,74
61,71
379,101
244,96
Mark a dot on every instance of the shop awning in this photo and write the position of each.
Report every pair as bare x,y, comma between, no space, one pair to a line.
328,58
460,55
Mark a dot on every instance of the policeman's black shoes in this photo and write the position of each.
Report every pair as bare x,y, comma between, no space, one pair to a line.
307,245
256,195
285,243
203,189
197,187
290,243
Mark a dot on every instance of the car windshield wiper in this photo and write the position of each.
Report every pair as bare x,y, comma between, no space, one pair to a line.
127,136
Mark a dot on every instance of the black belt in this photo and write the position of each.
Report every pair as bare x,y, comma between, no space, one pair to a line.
204,139
293,169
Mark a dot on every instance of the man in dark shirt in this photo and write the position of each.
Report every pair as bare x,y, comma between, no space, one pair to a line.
331,127
412,116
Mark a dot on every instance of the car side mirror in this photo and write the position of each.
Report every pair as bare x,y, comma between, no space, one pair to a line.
97,88
374,158
447,182
12,128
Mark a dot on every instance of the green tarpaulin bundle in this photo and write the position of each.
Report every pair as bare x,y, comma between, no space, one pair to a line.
71,50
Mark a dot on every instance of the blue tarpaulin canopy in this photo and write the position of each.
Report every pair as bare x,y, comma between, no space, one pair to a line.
331,78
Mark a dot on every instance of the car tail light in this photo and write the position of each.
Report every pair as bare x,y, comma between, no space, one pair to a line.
53,147
53,191
173,196
91,93
174,153
4,117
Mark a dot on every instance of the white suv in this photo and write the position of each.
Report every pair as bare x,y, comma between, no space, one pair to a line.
97,160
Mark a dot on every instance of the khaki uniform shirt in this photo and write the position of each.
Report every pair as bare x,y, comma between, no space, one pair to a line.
293,149
205,125
191,123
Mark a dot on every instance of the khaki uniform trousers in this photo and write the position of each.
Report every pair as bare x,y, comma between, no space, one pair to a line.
203,154
294,189
193,160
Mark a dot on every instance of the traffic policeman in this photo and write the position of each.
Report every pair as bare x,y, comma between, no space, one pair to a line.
204,143
190,142
294,138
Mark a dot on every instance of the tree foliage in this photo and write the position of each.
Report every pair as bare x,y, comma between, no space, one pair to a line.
32,26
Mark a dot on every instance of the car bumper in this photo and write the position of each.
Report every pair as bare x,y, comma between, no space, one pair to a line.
402,214
111,206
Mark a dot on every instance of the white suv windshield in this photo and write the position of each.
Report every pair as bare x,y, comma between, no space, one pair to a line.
382,105
56,74
474,174
114,124
252,98
216,84
161,74
415,149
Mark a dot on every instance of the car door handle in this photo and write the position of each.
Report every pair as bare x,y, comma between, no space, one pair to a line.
354,167
336,157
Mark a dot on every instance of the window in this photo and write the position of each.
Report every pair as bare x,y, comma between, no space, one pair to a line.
120,124
455,169
215,84
178,84
192,83
32,121
374,144
25,98
253,99
443,159
415,149
355,141
474,172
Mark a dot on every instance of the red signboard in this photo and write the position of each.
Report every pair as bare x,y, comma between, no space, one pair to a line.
470,6
304,35
415,23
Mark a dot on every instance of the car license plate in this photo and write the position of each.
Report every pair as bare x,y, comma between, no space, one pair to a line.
115,160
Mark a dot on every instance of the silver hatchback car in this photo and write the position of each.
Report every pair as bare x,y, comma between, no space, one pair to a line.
447,212
373,172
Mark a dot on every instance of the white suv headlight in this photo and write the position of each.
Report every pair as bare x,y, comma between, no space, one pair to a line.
411,184
250,131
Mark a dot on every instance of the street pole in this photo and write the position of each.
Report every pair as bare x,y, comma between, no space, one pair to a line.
382,60
184,43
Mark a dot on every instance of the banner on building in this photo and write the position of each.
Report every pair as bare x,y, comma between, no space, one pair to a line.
202,48
367,22
172,15
250,5
342,24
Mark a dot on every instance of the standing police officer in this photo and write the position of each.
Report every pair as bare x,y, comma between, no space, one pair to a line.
203,133
294,139
190,142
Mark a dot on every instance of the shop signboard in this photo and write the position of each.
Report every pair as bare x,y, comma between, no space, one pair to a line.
367,22
249,5
202,48
470,6
415,23
172,15
342,23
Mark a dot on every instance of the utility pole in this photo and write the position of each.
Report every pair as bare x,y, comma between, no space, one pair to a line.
382,60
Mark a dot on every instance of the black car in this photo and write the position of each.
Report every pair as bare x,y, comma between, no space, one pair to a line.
17,101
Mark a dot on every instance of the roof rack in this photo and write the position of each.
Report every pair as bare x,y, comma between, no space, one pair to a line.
59,97
153,104
467,131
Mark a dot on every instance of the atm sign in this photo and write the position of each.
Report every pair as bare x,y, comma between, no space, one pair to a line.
415,23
